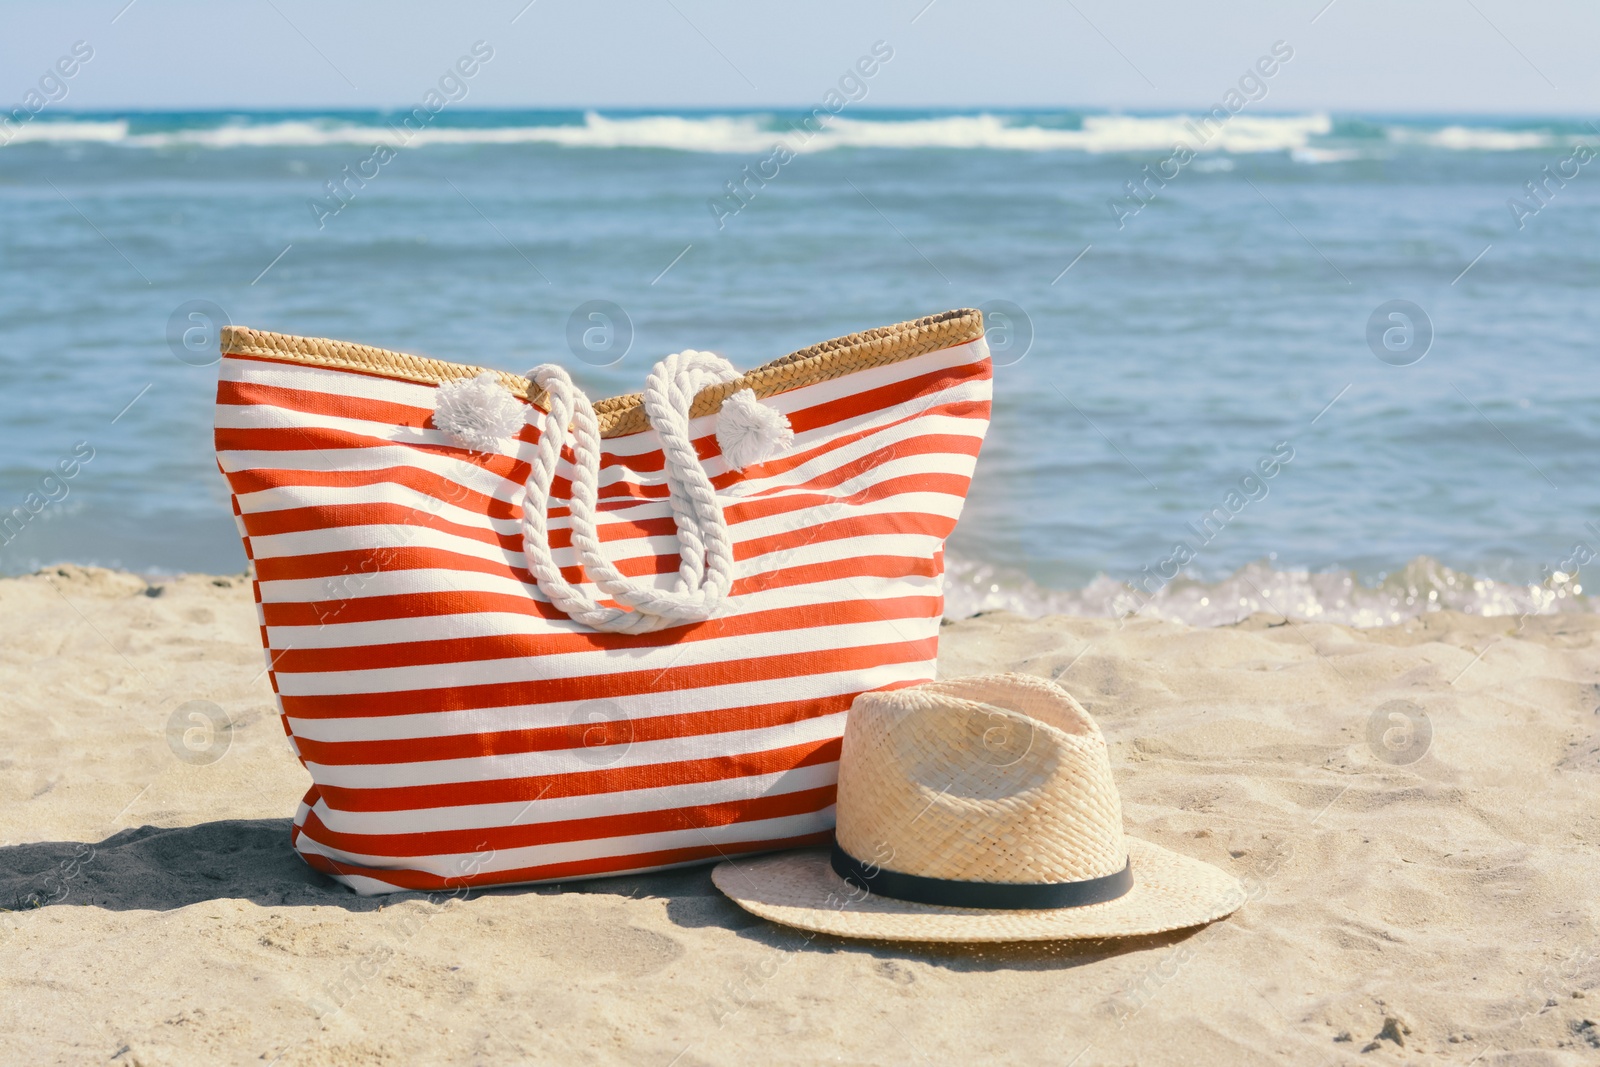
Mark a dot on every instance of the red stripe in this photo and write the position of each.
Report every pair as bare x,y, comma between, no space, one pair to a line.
894,522
358,561
551,872
631,824
582,736
325,438
415,652
616,683
578,735
794,498
418,479
357,608
888,397
312,402
586,783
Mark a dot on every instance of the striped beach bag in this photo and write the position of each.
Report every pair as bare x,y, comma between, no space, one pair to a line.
519,637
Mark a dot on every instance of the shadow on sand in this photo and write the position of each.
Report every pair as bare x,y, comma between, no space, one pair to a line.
162,869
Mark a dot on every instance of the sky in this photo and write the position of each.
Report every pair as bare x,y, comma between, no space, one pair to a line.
1371,56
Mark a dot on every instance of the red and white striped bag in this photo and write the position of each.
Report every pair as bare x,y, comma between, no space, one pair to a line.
500,665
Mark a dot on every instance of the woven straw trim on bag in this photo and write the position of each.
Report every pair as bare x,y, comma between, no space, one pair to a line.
1002,778
621,415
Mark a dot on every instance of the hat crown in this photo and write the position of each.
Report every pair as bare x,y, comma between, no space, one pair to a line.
1001,778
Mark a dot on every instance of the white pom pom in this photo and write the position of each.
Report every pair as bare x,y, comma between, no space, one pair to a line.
478,413
748,431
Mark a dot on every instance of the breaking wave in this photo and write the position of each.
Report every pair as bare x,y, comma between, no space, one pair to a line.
1421,587
1310,138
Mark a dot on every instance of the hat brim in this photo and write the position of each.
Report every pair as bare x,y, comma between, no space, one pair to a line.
800,889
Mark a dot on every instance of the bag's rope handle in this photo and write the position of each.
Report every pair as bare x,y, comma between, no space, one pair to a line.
705,551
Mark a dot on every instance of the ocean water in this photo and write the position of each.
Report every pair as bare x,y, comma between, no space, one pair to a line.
1379,311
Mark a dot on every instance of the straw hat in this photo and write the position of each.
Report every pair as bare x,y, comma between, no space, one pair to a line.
979,809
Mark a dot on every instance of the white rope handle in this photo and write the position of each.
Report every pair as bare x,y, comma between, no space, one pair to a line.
705,551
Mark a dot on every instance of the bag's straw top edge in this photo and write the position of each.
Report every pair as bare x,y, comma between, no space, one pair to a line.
621,415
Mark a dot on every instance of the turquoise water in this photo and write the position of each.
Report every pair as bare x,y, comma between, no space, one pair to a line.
1158,348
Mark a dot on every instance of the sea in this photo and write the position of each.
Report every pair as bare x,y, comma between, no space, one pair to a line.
1325,366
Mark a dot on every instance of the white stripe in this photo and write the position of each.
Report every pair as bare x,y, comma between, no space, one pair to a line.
332,633
561,809
598,664
575,762
467,864
339,384
377,582
274,417
405,535
638,706
372,458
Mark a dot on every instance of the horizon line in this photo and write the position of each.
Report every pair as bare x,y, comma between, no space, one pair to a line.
1108,109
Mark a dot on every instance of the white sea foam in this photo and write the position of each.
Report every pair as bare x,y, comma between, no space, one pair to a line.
109,132
753,134
1325,155
1421,587
1473,138
299,133
756,134
1099,134
728,134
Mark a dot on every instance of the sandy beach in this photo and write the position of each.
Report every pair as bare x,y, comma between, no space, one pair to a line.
1412,809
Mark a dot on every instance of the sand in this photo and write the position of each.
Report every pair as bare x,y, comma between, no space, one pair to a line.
1421,898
